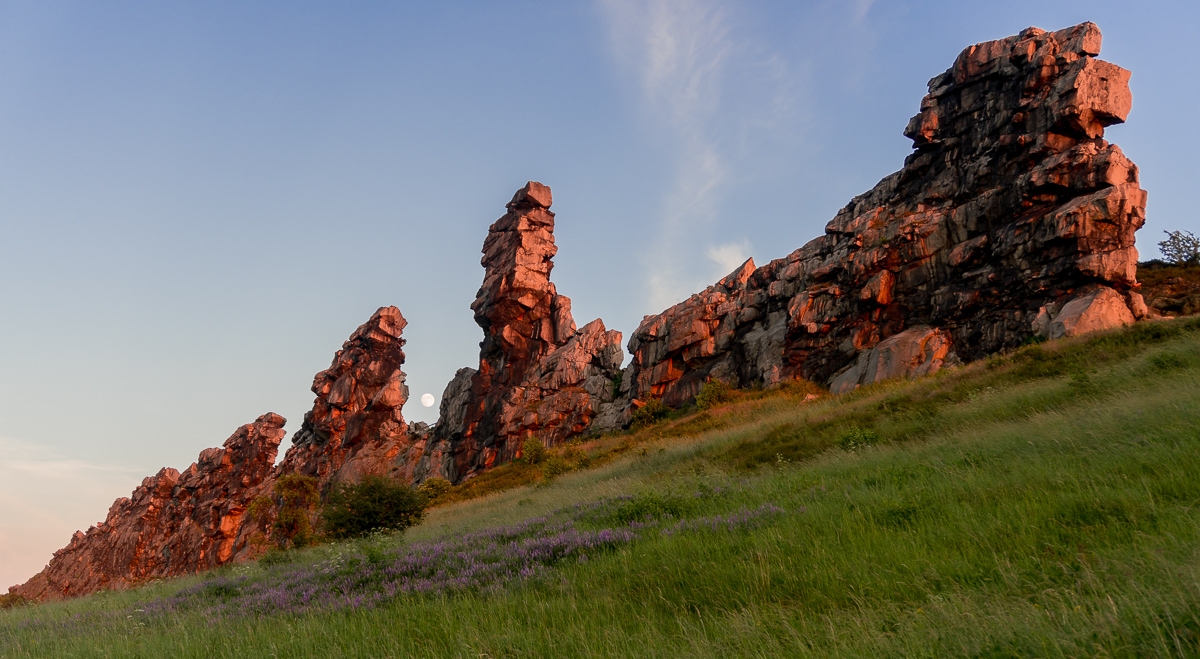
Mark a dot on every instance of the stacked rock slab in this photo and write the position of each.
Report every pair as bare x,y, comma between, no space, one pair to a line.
356,424
174,523
538,375
1012,217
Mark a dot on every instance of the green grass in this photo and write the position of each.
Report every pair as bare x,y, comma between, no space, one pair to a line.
1039,504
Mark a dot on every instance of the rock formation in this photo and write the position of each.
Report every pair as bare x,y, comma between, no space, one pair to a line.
174,523
183,523
538,375
356,424
1012,217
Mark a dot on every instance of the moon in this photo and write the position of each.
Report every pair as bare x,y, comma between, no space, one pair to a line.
427,400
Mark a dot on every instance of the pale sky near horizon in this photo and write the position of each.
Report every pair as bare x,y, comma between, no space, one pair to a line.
199,202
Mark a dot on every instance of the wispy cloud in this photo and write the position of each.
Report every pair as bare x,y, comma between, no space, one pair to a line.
729,256
861,7
694,71
45,497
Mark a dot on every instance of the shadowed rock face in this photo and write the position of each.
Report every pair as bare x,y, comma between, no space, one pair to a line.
538,375
1012,217
174,523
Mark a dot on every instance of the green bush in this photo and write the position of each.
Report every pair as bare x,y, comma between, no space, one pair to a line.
650,413
533,451
433,488
713,393
554,466
650,505
356,509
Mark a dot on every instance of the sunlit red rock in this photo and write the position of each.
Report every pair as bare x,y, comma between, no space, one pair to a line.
358,409
1011,217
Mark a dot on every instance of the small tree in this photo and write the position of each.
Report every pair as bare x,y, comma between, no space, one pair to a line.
1181,248
356,509
297,496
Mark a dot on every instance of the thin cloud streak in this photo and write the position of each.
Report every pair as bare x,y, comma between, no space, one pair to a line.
679,50
699,82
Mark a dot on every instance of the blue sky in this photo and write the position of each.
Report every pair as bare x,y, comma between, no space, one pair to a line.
200,202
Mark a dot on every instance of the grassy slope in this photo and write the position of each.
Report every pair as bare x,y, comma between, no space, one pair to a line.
1038,504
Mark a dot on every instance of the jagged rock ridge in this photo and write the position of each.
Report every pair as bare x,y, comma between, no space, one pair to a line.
1012,217
174,523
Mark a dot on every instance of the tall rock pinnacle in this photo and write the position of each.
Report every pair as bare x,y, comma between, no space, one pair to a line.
539,376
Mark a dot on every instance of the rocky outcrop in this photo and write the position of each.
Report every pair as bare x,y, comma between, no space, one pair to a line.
183,523
538,376
356,424
174,523
1012,217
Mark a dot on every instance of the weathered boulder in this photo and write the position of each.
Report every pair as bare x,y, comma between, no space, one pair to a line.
1011,217
174,523
538,376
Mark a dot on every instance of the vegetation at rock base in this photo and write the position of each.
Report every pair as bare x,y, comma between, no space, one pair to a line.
1038,503
650,413
433,489
12,600
353,510
713,393
533,451
296,497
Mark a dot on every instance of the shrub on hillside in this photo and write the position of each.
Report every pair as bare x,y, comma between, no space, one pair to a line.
554,466
533,451
650,413
1181,248
356,509
713,393
434,488
13,600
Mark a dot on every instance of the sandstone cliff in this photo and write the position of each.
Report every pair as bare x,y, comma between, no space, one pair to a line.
538,376
1012,217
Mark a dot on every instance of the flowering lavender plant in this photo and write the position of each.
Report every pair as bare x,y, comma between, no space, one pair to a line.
481,561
